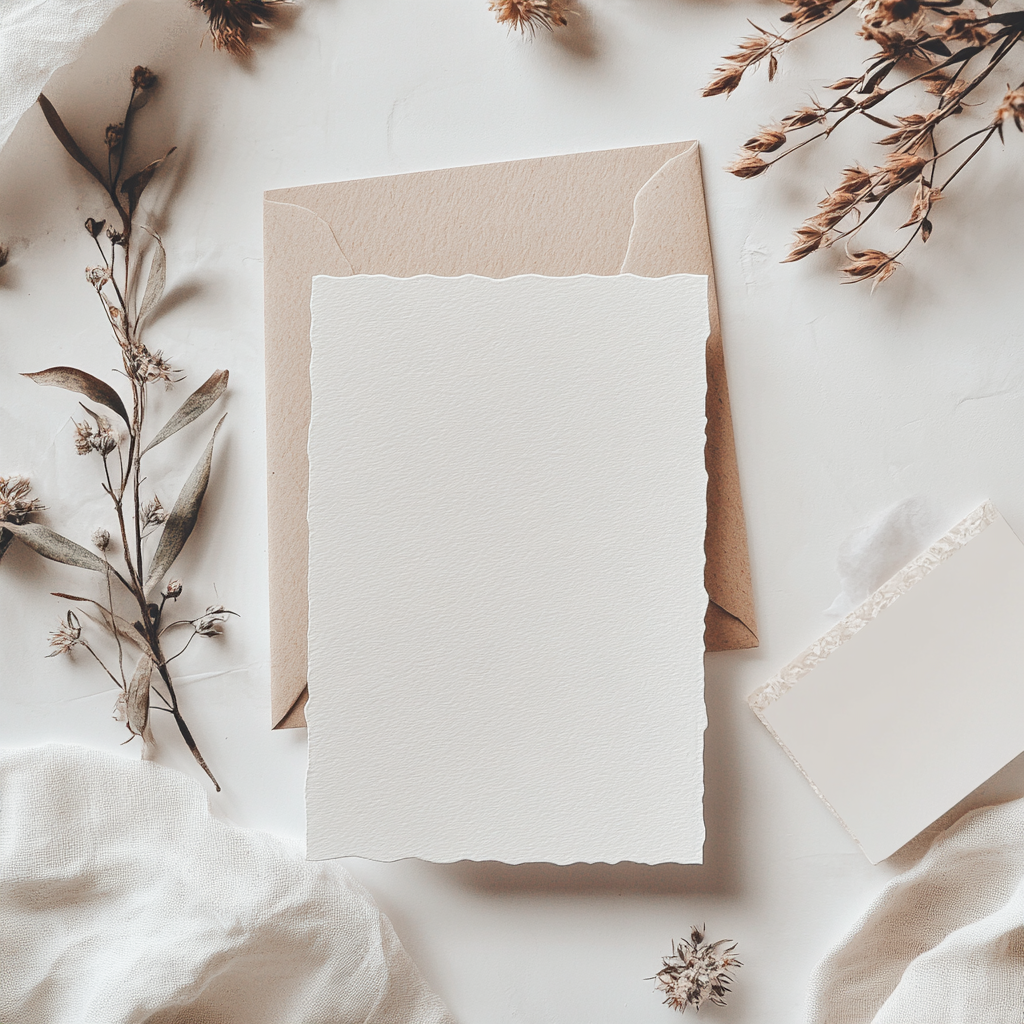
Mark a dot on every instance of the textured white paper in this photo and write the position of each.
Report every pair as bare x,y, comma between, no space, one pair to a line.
507,511
917,696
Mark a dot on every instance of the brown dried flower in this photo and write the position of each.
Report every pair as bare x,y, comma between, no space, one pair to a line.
1012,106
697,972
870,265
527,16
149,367
97,276
68,636
173,590
233,22
964,27
748,165
101,438
767,140
881,13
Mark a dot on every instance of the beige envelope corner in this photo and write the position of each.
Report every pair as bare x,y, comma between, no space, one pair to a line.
637,211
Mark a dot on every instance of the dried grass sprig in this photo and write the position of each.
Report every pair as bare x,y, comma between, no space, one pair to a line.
697,972
946,49
128,282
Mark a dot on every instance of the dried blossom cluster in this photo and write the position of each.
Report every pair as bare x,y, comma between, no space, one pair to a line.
526,16
697,972
944,48
233,23
128,612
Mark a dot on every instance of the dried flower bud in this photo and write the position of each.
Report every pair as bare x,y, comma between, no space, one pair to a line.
803,118
173,590
94,227
142,78
767,140
117,237
209,622
98,276
102,438
114,135
149,367
66,637
527,16
902,168
101,538
153,513
697,972
749,165
870,265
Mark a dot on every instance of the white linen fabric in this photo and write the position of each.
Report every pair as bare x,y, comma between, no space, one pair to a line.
943,942
36,38
124,901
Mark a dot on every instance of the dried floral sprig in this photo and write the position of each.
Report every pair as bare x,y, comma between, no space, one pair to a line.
526,16
946,49
233,23
697,972
129,282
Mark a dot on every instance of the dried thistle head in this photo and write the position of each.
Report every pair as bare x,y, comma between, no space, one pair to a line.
233,22
101,538
149,367
16,503
697,972
66,637
526,16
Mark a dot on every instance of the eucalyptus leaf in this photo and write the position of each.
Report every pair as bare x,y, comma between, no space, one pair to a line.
137,697
52,545
70,379
157,278
194,406
64,137
133,187
182,519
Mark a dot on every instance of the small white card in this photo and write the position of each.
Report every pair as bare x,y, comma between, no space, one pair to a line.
507,510
917,696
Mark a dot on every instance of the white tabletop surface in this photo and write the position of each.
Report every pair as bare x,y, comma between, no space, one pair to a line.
844,402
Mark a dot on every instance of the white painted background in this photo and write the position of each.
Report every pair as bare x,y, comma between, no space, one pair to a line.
844,403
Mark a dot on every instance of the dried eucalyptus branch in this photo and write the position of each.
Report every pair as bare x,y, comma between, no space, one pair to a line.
129,282
946,49
697,972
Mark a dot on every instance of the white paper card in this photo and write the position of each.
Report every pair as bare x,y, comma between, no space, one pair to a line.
917,696
506,511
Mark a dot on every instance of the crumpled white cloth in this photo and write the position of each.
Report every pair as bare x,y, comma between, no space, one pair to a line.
122,901
874,553
944,942
36,38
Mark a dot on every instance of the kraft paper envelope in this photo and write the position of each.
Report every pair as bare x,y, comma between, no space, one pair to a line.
638,211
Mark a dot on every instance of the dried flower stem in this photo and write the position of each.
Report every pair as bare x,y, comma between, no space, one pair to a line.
951,49
127,297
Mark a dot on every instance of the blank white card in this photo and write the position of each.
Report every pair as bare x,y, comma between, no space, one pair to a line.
506,512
